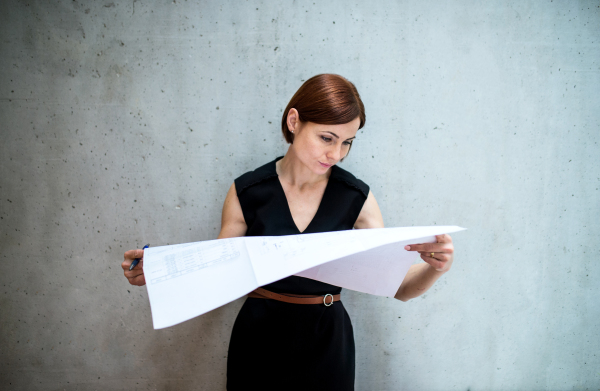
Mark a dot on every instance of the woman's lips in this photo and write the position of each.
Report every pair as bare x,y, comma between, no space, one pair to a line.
326,165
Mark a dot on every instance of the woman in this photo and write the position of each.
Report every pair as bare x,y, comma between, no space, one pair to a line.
279,341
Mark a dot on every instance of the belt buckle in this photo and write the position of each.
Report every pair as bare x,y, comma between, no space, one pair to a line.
325,300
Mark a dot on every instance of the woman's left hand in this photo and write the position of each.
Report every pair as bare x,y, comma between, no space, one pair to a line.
438,255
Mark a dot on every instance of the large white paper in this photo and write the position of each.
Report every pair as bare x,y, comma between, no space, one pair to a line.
187,280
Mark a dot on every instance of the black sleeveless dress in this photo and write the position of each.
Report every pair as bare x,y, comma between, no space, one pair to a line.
282,346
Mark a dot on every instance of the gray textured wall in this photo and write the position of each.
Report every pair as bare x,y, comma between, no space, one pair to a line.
125,122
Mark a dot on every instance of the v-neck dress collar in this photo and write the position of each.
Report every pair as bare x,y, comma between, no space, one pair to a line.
266,210
286,202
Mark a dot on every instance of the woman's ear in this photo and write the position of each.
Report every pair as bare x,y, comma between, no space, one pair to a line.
293,120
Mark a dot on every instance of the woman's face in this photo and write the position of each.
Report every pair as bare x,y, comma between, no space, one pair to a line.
321,146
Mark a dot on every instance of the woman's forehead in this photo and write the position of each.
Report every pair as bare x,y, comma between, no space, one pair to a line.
342,130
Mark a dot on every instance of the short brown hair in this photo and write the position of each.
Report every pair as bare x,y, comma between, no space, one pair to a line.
326,99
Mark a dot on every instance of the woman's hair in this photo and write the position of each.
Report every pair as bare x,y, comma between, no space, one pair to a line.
325,99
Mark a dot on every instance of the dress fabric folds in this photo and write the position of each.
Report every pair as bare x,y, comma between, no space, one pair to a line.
282,346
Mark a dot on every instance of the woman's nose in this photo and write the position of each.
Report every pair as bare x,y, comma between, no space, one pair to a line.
335,153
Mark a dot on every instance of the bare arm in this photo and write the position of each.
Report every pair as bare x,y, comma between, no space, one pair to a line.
232,225
370,215
422,276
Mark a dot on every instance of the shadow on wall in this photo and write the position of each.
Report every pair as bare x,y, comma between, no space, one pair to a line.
196,348
376,343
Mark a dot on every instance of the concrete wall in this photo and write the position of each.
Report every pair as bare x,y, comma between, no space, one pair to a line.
124,123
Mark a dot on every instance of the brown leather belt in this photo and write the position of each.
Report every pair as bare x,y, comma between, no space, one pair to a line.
328,299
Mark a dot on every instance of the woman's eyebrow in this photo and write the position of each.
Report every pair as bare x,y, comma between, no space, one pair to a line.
336,136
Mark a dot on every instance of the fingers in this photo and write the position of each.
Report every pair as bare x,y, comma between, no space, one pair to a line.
138,270
127,264
442,257
136,275
431,248
133,254
443,244
129,256
437,264
442,252
139,280
445,238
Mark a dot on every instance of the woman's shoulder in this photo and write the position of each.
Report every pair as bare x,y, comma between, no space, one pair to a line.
256,176
349,179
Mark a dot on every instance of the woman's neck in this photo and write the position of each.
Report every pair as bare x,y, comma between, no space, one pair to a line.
293,171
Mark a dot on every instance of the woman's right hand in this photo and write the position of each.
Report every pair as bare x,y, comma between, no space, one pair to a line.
135,276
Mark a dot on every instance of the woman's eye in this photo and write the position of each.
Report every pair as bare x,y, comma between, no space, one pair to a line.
326,139
347,143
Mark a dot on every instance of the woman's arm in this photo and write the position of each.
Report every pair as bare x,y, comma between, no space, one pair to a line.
233,224
422,276
370,215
